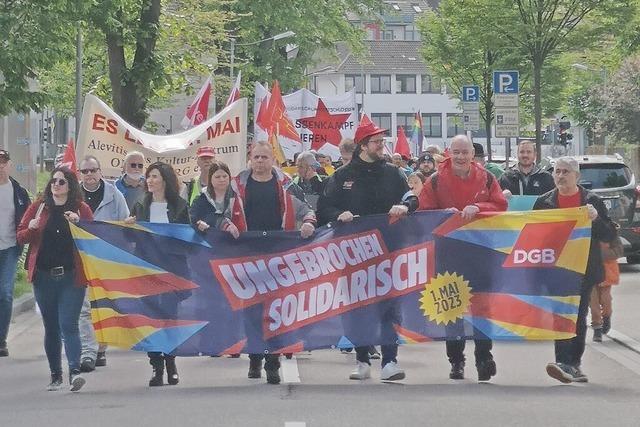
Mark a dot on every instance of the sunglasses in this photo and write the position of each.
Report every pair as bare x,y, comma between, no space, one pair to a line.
58,181
88,171
136,165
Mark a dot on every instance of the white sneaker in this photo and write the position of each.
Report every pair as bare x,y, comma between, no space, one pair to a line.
391,372
362,371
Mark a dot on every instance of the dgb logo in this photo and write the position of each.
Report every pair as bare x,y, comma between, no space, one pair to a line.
539,245
534,256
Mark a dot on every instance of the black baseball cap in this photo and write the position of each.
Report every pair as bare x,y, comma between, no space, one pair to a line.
4,155
479,150
426,157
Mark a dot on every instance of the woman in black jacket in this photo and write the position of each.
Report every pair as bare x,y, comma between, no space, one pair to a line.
162,204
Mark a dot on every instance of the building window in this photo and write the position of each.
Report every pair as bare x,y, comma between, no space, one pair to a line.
454,125
432,125
406,121
382,120
353,80
416,8
313,84
430,84
405,83
380,83
396,7
411,33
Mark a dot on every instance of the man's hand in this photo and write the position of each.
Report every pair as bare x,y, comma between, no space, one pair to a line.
306,230
72,217
593,212
233,230
398,210
345,216
130,220
507,194
469,212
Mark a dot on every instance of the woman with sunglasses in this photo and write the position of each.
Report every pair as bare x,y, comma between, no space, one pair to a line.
162,204
55,270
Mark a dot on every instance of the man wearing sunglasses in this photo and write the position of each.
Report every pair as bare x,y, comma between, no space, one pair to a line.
132,184
107,204
14,201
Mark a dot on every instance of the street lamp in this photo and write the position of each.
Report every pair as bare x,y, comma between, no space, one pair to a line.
603,77
280,36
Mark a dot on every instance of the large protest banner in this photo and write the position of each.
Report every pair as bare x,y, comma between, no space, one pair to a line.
321,122
429,276
109,138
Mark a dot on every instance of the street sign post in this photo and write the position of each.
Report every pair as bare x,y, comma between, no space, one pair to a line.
471,107
506,102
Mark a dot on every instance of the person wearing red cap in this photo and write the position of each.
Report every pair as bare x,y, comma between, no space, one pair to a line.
367,186
462,185
193,188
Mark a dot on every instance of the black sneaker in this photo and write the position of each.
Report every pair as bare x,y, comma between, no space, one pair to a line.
273,376
101,359
56,382
486,370
373,353
597,335
4,351
606,324
346,350
76,380
457,371
87,365
561,372
579,376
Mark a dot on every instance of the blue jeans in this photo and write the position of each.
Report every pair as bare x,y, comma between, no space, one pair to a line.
60,301
8,265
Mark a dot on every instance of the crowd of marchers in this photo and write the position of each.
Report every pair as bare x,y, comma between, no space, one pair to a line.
366,181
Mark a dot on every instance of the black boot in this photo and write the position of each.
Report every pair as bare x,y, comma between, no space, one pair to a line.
457,371
486,369
157,362
606,324
255,368
172,370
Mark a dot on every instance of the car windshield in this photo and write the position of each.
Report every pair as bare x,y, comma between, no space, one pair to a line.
604,175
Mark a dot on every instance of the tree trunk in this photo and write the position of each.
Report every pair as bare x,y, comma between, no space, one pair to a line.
537,104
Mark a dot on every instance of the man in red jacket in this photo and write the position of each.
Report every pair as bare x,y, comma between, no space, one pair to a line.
463,186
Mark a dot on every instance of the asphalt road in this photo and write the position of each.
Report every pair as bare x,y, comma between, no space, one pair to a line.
317,391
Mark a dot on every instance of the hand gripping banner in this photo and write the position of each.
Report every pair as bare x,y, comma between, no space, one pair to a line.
429,276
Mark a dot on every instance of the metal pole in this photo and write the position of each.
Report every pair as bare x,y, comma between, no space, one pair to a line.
364,86
507,152
78,79
232,59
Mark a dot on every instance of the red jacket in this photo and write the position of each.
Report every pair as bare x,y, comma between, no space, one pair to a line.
34,237
455,192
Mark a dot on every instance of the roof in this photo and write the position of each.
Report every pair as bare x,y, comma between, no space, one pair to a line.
400,10
384,56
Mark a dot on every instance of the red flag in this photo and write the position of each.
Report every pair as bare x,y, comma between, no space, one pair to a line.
234,95
278,121
198,111
402,145
69,157
261,119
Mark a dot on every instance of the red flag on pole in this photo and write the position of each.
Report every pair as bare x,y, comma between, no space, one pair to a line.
198,111
402,145
277,116
69,157
234,95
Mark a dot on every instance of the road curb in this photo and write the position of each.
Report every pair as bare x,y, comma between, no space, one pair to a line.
624,341
24,303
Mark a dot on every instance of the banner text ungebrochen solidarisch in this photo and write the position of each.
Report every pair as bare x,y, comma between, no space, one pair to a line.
322,280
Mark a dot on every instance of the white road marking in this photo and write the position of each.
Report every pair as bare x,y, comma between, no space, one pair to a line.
290,372
619,353
295,424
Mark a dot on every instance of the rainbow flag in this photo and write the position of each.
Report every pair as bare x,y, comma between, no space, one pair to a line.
417,135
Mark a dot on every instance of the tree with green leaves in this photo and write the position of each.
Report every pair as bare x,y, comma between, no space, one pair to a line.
542,29
460,47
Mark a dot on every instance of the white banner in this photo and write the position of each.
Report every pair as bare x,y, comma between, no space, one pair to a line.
109,138
321,122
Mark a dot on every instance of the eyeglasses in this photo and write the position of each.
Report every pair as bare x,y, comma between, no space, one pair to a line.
58,181
88,171
136,165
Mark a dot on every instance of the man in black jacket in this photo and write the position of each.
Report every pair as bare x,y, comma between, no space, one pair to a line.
525,178
367,186
14,201
569,194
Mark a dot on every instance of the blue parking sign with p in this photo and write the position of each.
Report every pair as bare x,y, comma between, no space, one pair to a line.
470,93
505,82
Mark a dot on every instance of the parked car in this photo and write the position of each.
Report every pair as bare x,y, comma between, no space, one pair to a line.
611,179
